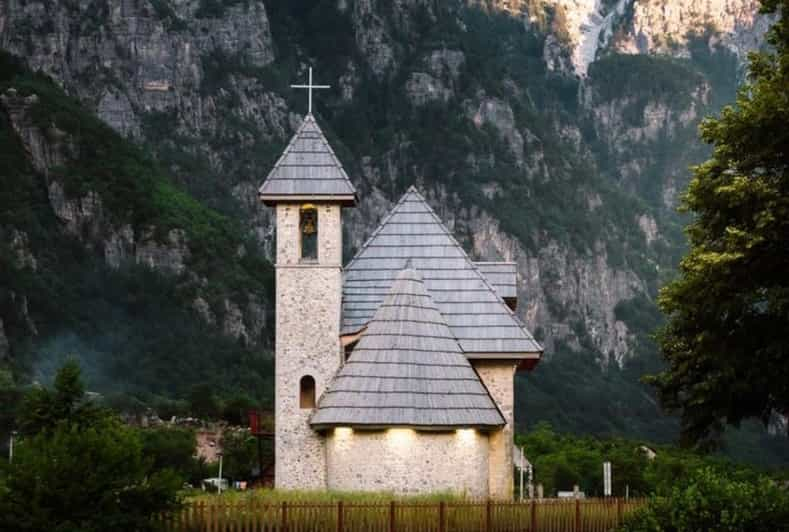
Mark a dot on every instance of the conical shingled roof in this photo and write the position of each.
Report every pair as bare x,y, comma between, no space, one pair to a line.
407,370
480,320
308,170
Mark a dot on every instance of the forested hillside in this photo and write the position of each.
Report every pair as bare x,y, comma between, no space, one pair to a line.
551,133
125,308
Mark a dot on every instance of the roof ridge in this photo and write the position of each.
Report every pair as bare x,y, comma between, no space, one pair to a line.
412,190
476,269
287,148
377,230
331,151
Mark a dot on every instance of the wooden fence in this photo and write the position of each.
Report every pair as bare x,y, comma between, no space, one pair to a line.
547,515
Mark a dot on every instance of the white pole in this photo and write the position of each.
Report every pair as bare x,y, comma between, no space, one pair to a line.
521,468
219,486
11,447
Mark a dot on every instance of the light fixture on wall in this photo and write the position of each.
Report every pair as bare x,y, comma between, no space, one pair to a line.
466,435
343,433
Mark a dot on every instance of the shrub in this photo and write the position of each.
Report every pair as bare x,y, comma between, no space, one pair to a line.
174,448
711,500
83,479
78,468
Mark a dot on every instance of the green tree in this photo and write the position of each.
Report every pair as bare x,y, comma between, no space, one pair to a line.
203,402
240,452
727,314
44,408
78,468
710,500
174,448
84,479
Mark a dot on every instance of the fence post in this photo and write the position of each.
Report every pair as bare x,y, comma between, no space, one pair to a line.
577,515
533,527
340,516
487,515
442,517
284,516
392,516
618,511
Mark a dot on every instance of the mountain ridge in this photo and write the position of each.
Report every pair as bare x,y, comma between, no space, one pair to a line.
573,178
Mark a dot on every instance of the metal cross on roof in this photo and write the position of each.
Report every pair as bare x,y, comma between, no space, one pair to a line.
309,86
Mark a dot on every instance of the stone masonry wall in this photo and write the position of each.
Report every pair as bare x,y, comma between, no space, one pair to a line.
307,342
499,376
405,461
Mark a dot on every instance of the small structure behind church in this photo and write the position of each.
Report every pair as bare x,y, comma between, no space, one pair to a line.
393,373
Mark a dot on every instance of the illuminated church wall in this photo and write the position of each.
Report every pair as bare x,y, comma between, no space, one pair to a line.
405,461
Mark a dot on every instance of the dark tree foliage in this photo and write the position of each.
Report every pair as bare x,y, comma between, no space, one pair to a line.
561,460
726,340
174,448
240,451
44,409
78,468
712,500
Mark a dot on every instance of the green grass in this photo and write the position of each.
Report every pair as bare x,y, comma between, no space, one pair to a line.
277,496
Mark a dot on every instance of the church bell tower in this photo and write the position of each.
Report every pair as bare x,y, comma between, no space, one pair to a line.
308,187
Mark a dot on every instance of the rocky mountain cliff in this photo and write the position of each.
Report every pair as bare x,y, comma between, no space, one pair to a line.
554,133
104,258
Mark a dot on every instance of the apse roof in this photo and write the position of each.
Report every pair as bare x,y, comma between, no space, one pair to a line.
479,319
308,170
407,369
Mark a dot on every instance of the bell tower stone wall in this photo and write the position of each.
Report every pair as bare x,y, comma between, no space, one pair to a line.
498,376
308,301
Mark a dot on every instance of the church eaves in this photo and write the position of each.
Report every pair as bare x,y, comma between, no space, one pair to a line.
482,323
407,370
308,170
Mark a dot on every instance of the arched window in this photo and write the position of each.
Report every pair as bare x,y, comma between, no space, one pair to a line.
307,392
308,226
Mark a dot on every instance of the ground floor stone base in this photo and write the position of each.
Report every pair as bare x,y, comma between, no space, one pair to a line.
407,462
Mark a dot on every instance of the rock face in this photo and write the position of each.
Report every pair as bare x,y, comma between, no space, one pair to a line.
650,27
204,79
46,150
556,278
666,27
164,41
84,217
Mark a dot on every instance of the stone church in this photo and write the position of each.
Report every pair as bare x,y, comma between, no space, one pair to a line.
394,372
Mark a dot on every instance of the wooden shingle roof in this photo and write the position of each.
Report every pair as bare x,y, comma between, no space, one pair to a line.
308,170
407,370
502,276
479,319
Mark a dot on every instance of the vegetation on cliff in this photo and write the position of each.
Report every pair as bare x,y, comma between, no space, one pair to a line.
725,339
134,327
